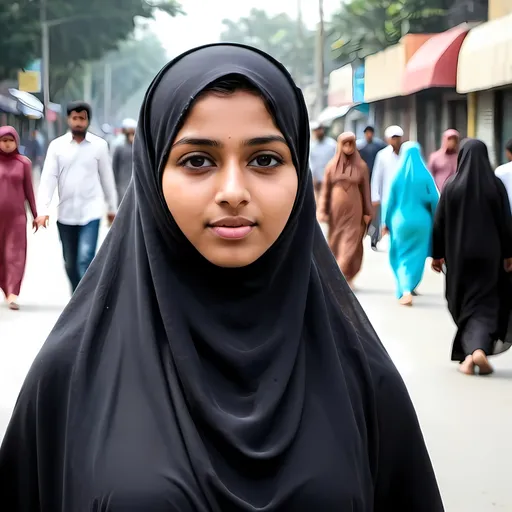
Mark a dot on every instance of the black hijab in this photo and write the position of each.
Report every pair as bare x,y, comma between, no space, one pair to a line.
172,384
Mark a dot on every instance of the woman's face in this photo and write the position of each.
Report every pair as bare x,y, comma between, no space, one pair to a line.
230,182
348,147
452,143
7,144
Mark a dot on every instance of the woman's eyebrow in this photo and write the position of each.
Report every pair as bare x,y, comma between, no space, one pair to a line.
256,141
192,141
260,141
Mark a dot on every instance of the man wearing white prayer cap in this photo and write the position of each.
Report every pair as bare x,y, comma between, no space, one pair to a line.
122,160
385,167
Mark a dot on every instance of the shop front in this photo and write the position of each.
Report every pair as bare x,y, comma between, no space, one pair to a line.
384,76
484,72
431,75
347,110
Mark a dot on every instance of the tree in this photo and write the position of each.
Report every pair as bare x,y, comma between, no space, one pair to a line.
133,67
363,27
90,30
279,35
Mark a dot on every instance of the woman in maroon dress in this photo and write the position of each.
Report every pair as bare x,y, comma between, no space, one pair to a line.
15,189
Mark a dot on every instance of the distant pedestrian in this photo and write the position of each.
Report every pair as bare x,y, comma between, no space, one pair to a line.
385,168
78,163
122,162
408,217
15,190
443,163
473,245
504,172
323,149
345,204
34,150
368,148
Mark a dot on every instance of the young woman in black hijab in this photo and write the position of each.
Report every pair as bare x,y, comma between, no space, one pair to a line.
473,238
214,358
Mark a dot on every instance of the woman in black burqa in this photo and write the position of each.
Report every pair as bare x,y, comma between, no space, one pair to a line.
184,377
473,238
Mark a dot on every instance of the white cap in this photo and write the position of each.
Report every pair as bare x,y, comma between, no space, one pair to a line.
129,124
393,131
314,125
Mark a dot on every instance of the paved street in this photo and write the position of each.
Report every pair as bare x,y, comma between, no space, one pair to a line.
466,421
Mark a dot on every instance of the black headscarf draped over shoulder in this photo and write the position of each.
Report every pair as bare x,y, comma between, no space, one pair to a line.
169,384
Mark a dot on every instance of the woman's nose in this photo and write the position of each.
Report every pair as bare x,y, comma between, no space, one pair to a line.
232,189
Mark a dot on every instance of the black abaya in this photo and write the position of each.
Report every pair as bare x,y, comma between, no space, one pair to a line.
169,384
473,233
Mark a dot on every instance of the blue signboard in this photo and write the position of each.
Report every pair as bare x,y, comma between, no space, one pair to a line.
35,65
358,84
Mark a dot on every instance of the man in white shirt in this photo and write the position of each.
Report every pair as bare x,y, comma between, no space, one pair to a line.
504,172
384,170
79,165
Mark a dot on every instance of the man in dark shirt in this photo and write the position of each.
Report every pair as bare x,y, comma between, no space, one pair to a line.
368,149
122,161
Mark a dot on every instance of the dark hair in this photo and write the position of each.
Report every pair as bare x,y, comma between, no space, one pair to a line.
79,106
369,129
229,84
508,146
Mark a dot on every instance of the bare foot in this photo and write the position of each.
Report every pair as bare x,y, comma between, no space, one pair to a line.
406,300
468,366
12,301
480,360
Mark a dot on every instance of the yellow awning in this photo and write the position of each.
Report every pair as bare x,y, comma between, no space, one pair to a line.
384,73
485,58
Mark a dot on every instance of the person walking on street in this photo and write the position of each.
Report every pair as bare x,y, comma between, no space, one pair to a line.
472,243
15,190
504,172
122,161
385,168
34,150
443,163
368,148
78,164
323,149
408,217
345,205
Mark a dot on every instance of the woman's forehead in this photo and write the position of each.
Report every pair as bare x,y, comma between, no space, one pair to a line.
8,136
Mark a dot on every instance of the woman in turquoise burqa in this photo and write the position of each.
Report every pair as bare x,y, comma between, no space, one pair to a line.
409,218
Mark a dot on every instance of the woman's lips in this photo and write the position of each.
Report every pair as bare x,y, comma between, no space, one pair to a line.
232,233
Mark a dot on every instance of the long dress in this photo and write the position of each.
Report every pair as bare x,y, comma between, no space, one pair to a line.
473,234
15,189
409,216
443,162
345,200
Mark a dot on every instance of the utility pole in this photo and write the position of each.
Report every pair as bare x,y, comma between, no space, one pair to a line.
299,47
320,64
107,92
87,83
45,68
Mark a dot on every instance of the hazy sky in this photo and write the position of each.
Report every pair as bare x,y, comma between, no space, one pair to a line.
203,22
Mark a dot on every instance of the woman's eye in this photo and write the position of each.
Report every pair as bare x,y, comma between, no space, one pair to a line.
265,161
197,162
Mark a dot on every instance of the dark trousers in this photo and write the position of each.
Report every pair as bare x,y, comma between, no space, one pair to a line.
78,248
376,225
